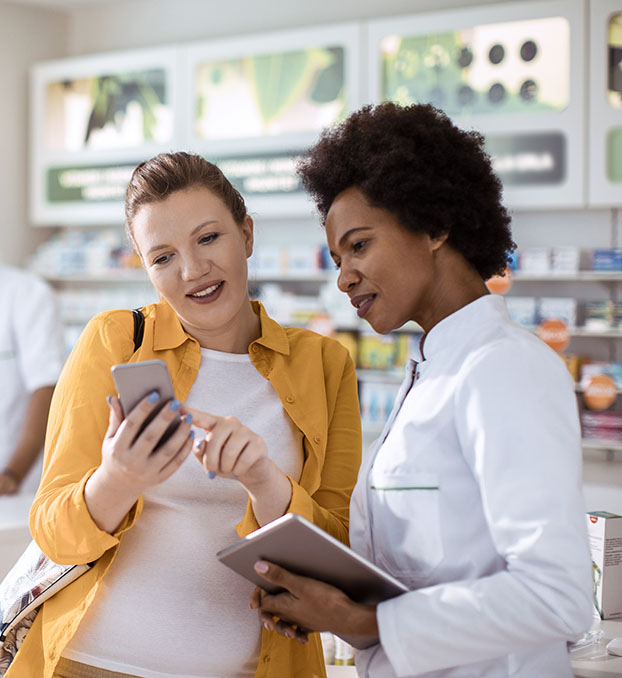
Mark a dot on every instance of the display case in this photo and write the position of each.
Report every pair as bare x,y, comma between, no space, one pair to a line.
257,102
93,119
605,103
514,72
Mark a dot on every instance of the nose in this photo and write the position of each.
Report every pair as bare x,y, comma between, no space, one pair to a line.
347,278
193,267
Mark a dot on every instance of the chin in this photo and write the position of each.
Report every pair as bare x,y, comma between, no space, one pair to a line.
379,327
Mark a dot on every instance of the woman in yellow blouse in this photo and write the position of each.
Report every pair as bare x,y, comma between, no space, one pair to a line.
283,435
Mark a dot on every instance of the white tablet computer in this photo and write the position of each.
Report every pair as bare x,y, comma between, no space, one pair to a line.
299,546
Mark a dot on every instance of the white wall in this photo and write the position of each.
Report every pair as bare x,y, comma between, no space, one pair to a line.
27,35
140,23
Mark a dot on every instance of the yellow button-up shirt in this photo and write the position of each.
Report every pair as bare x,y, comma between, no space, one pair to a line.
315,380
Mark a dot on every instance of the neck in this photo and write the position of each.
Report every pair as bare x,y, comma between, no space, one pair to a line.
457,285
235,336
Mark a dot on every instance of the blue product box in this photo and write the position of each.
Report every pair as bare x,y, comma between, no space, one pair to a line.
607,259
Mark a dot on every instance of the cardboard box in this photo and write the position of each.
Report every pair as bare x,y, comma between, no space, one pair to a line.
605,537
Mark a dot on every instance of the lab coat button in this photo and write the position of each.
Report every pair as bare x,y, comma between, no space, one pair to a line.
317,439
290,399
267,659
254,348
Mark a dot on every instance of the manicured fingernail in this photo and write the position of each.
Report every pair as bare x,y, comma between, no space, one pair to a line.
153,398
175,405
188,419
211,474
191,435
261,566
267,626
108,399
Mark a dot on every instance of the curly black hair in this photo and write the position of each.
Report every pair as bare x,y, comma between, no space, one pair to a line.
414,162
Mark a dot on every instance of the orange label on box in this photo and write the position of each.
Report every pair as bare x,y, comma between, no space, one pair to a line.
500,284
600,392
555,334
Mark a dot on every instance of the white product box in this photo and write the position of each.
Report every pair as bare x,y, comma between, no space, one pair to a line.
522,310
565,259
558,308
535,260
605,537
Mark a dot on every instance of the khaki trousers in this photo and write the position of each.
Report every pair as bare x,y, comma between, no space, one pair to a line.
69,669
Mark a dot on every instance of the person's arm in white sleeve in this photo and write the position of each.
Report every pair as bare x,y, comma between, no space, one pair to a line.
516,419
30,442
40,353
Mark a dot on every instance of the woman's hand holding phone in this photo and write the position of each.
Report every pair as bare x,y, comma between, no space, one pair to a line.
130,460
232,450
136,458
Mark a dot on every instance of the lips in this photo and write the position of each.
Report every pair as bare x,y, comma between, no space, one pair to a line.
362,303
206,292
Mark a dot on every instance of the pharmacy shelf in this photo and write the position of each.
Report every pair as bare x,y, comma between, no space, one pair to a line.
580,389
590,334
341,672
579,276
139,276
303,276
382,376
596,444
115,276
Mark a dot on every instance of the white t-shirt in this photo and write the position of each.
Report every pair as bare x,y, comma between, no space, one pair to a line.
168,607
473,499
31,354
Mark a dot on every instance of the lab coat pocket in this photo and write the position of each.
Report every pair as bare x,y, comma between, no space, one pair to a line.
406,523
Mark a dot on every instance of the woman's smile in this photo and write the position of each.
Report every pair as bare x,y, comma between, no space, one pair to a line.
206,294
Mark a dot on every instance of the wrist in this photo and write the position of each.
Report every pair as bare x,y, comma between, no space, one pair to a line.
13,475
357,620
261,478
112,483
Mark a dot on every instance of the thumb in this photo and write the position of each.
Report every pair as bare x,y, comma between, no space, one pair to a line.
115,417
278,575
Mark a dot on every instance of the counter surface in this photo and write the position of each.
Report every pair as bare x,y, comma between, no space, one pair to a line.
594,661
14,532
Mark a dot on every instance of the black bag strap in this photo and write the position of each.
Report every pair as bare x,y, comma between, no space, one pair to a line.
139,328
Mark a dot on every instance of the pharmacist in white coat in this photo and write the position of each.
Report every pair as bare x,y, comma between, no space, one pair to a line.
31,357
472,495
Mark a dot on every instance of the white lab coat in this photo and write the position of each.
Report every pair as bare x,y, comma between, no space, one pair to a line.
31,354
474,501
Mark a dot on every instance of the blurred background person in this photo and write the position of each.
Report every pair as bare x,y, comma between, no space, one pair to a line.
31,357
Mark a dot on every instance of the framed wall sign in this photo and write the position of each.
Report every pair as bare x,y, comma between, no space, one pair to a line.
93,119
514,72
257,102
605,104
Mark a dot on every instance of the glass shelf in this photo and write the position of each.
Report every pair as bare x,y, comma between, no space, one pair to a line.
579,276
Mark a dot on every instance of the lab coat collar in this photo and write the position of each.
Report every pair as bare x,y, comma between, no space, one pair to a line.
461,326
169,333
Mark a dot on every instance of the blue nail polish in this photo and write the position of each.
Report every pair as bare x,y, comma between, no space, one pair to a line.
188,419
153,397
211,474
175,405
191,435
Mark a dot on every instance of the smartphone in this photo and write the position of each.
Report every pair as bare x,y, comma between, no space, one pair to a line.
135,381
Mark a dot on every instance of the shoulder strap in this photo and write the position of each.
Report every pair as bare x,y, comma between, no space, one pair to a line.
139,328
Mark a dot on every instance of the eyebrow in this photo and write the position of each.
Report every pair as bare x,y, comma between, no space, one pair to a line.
155,248
347,234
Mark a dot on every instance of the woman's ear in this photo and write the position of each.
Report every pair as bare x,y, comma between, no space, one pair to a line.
436,243
248,231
